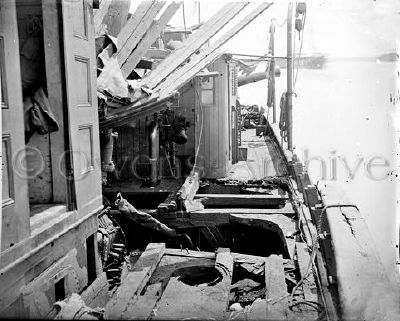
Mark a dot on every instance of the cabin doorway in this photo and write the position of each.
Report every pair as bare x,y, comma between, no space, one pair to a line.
42,95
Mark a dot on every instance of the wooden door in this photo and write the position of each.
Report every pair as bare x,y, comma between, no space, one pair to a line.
14,221
80,69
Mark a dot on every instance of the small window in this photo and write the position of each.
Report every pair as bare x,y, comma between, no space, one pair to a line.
207,91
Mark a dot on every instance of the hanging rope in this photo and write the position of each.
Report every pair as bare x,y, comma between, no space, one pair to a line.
283,121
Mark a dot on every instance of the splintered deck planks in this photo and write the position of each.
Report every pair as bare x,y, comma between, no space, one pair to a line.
235,200
134,282
277,304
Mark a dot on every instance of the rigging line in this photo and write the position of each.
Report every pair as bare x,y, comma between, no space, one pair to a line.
301,47
184,18
201,130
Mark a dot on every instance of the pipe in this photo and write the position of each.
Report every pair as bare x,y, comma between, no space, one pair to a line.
154,152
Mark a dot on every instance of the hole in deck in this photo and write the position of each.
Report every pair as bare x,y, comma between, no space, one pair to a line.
195,275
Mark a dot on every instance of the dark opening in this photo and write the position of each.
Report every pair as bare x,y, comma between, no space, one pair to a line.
196,275
59,289
240,238
91,258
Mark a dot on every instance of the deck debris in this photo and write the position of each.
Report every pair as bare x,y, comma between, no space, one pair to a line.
74,308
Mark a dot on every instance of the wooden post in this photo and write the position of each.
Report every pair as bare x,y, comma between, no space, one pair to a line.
289,93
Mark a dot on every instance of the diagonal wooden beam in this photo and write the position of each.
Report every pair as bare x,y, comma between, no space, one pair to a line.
99,15
133,22
199,62
194,42
116,16
151,35
136,28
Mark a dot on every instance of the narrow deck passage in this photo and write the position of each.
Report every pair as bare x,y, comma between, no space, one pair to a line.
262,158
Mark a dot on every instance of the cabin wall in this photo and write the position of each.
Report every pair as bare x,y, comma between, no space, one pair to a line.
131,150
214,157
187,102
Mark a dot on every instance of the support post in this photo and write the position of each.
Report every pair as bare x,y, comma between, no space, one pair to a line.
289,93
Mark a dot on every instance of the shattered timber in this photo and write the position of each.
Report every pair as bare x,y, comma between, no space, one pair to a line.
149,191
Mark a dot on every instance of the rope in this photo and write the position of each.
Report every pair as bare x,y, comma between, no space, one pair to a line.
201,131
283,121
301,47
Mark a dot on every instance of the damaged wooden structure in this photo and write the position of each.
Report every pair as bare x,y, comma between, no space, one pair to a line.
135,194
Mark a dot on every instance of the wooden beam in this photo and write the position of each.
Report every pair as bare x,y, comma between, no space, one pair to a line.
134,111
189,189
243,200
133,22
358,267
275,283
99,15
154,53
116,17
182,75
194,42
150,36
135,281
286,210
136,28
178,80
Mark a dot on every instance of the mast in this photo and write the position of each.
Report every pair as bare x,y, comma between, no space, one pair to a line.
272,66
289,92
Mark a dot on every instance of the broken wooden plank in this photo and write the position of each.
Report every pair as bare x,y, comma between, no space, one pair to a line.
135,29
224,263
194,42
150,36
98,16
276,291
234,200
134,282
190,187
115,18
194,66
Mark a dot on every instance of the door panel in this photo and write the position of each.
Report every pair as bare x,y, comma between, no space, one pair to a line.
14,220
80,68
